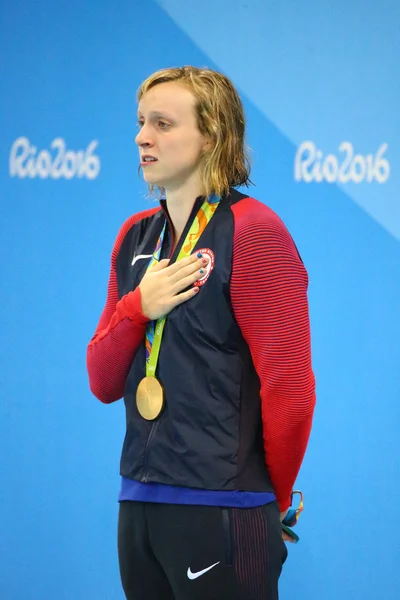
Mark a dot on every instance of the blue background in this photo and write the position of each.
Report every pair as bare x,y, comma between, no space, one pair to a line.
321,71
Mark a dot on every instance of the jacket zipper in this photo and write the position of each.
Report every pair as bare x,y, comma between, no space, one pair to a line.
172,235
145,476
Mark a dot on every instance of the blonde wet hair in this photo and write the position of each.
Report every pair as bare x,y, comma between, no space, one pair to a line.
220,118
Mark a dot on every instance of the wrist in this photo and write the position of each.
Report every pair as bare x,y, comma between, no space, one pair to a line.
131,304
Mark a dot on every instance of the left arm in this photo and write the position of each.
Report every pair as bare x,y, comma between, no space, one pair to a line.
269,297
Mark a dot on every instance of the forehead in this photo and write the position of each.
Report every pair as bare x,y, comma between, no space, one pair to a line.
169,97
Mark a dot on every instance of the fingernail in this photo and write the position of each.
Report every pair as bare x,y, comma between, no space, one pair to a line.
199,255
205,261
201,271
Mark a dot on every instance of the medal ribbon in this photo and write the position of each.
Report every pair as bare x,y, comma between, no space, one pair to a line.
155,329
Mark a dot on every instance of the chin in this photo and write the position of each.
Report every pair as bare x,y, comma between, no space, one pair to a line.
151,179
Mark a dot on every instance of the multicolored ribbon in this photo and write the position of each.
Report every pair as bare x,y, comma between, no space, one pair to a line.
293,514
154,330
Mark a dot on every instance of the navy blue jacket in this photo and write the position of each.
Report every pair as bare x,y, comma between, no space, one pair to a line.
209,434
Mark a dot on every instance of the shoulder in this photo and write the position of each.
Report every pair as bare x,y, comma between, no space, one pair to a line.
136,219
256,222
130,222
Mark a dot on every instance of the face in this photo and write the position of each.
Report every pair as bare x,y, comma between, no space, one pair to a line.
170,143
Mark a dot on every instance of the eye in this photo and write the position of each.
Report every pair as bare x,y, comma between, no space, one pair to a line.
163,125
140,124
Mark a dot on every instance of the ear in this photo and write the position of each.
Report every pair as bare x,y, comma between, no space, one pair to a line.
208,145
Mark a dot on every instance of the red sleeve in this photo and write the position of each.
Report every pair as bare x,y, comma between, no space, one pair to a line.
269,298
119,333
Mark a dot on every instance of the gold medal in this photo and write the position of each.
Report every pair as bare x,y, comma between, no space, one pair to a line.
150,398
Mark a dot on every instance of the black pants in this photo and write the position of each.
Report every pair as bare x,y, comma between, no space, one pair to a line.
180,552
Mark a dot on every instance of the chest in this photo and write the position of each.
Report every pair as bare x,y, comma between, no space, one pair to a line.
215,241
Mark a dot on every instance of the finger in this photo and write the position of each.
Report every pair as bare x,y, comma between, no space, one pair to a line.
158,266
187,281
188,270
184,262
183,297
287,538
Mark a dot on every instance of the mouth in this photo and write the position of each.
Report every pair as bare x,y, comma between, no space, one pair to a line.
147,160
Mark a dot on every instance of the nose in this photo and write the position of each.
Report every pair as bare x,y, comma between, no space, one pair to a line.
143,138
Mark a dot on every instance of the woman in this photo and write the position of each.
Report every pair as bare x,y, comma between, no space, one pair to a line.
205,333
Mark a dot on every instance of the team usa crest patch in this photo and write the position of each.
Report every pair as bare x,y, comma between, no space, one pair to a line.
208,268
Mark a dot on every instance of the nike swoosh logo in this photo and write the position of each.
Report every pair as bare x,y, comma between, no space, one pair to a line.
199,573
139,256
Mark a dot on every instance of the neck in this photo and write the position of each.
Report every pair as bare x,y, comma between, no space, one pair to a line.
180,203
